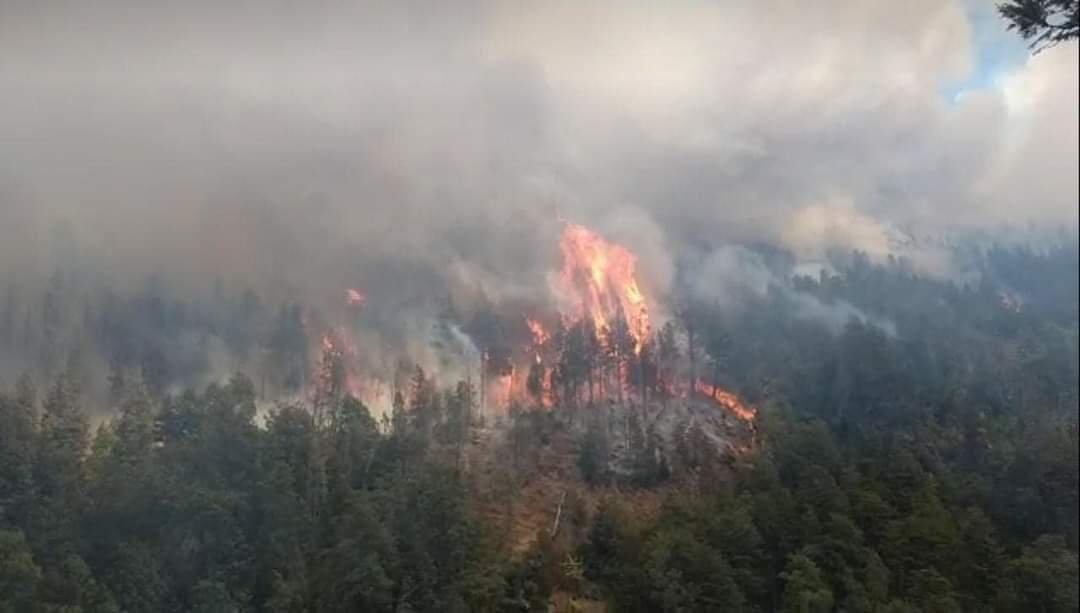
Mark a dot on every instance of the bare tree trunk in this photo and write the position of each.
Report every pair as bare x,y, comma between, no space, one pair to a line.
589,374
558,515
483,383
641,380
367,466
619,376
691,338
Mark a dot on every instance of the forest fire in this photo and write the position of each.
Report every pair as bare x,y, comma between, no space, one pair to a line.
339,357
339,366
730,402
600,349
504,390
540,337
539,334
602,276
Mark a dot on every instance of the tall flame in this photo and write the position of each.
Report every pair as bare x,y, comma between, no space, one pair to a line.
597,282
602,277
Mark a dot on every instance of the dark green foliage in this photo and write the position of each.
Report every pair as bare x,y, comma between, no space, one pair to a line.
1043,578
1043,23
805,590
593,455
17,435
185,504
924,464
59,478
71,586
288,348
19,575
930,467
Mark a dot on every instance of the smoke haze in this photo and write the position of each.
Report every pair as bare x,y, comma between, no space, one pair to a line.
420,150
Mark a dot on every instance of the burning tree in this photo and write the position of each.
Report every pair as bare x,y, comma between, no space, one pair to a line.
596,345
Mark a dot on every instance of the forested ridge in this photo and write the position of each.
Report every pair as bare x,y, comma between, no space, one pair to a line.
920,455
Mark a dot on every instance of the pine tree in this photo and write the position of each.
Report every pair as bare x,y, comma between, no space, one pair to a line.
17,440
19,574
805,590
58,475
534,383
619,346
667,348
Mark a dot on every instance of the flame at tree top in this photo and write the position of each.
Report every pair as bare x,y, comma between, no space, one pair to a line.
602,277
597,285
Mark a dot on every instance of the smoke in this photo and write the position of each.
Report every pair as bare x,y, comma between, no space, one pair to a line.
735,277
459,357
425,152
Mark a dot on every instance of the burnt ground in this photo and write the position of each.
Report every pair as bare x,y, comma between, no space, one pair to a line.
520,488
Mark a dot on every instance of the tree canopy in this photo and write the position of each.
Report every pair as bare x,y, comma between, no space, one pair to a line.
1043,23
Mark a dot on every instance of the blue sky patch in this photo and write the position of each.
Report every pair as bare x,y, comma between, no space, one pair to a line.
996,51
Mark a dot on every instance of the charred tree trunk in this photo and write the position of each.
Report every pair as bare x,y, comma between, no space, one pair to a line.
589,375
620,368
483,383
641,379
691,342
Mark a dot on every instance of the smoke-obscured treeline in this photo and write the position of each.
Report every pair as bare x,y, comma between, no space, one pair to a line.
918,454
174,336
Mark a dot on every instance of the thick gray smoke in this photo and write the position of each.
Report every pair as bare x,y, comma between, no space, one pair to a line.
424,150
728,276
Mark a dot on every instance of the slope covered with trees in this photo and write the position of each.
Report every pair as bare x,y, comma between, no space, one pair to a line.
920,456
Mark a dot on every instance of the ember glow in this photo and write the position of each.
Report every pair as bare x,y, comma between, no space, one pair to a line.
597,283
355,297
730,402
540,337
539,334
504,390
602,278
340,365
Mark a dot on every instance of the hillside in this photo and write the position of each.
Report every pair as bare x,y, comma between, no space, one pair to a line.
523,492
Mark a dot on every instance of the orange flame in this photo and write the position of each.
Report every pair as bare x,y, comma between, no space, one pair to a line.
338,345
602,276
540,337
504,390
726,400
539,334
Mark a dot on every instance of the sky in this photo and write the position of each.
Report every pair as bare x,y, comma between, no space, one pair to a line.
995,51
412,141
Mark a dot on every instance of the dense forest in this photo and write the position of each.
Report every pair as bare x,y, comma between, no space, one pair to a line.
572,307
921,458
